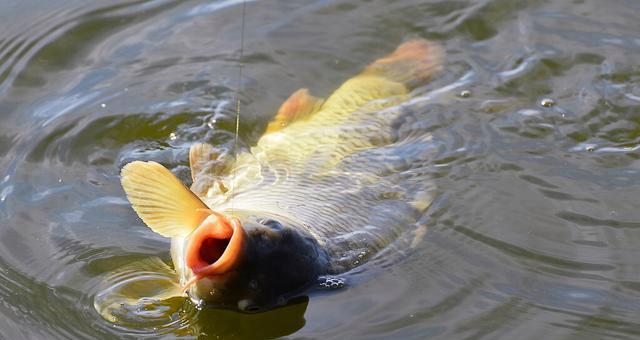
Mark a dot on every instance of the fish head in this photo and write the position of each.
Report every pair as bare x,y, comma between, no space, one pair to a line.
240,259
251,262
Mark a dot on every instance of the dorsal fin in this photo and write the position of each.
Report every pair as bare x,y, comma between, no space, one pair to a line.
163,203
299,106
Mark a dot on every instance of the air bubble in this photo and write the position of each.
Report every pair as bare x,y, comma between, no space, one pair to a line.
253,284
211,124
591,148
546,102
173,136
199,304
331,283
103,105
465,94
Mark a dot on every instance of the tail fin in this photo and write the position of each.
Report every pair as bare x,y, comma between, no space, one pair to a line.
412,63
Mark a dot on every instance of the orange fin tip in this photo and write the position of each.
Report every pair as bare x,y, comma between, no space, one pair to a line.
299,106
412,63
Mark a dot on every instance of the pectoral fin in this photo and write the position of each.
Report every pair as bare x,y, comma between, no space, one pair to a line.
161,200
299,106
208,165
199,155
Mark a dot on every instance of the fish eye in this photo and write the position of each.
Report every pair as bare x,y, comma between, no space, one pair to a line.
273,224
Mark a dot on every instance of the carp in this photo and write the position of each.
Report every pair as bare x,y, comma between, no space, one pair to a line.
330,184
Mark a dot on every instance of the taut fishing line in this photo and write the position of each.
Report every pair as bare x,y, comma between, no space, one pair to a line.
238,92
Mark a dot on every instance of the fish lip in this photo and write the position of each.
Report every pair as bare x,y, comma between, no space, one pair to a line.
216,226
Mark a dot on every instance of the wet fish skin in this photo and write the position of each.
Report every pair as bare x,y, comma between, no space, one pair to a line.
325,175
278,262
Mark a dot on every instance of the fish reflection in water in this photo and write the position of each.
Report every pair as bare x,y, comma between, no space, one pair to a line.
322,192
136,298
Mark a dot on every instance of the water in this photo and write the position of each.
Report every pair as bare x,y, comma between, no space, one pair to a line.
535,227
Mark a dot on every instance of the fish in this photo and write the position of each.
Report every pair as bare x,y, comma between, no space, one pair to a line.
331,184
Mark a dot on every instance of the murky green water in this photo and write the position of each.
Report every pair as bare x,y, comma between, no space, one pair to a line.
535,230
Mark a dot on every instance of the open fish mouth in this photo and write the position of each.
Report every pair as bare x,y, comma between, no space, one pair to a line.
215,247
260,255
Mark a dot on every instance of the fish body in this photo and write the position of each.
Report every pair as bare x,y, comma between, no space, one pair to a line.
331,183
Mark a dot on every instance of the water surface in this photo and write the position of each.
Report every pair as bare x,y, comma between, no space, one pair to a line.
534,231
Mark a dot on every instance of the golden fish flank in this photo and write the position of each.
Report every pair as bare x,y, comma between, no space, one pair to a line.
321,191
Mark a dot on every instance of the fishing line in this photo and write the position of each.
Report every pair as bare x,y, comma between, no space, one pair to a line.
238,92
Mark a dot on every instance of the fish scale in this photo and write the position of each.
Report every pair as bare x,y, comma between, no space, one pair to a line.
339,199
321,192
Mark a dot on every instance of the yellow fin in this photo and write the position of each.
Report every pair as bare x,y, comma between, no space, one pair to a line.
390,77
161,200
208,165
412,63
299,106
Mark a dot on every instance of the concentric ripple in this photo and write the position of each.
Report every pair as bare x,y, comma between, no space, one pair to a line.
533,150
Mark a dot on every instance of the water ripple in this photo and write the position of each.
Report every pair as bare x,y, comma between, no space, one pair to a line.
534,138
